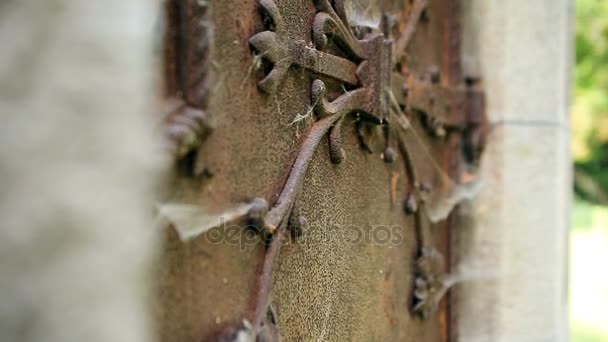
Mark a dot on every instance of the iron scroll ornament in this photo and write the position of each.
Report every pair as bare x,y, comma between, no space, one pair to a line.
377,94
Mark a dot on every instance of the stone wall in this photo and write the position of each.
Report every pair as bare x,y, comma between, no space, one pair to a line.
514,246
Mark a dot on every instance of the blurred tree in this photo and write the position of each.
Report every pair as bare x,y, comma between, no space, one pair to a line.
590,109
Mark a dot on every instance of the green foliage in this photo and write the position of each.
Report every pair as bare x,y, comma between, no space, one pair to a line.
590,110
590,150
592,50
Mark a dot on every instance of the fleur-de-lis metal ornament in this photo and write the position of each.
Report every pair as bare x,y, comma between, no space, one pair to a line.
376,93
367,64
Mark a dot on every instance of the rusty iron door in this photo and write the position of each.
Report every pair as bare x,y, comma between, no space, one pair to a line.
320,146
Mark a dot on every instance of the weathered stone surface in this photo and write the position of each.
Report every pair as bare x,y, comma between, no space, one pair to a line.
518,226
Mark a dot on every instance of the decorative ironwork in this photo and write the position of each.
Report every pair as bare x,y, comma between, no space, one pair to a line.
376,93
429,283
186,124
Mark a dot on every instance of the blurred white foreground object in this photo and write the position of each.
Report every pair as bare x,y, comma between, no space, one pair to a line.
77,181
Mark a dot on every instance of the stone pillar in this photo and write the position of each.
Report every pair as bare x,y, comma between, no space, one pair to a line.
77,178
514,240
